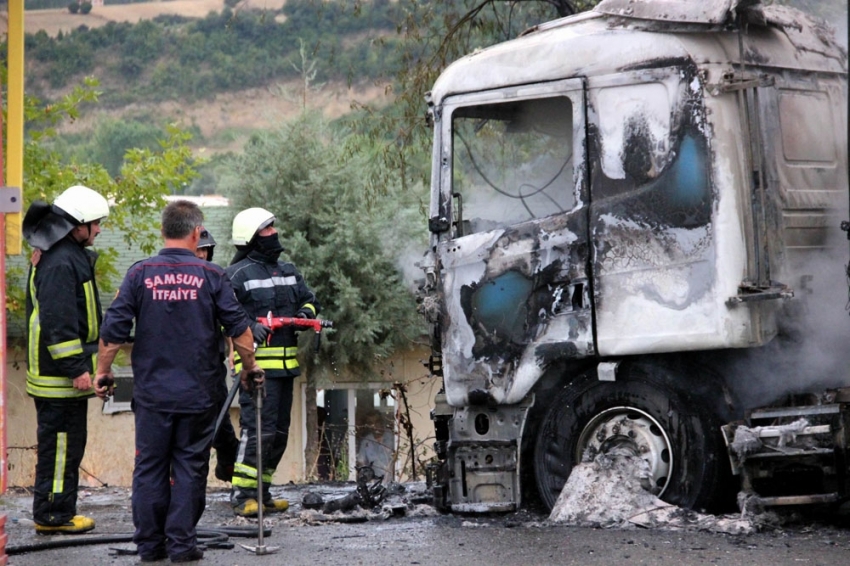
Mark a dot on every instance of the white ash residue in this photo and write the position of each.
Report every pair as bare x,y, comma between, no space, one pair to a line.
748,440
609,492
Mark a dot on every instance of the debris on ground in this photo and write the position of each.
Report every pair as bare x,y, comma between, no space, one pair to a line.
369,500
611,491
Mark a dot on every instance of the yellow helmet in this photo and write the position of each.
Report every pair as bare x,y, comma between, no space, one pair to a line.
249,222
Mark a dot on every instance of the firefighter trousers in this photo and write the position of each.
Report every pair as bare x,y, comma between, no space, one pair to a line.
170,478
277,406
61,445
225,442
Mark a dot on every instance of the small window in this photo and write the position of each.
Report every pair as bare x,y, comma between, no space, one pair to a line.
807,127
368,434
513,162
634,123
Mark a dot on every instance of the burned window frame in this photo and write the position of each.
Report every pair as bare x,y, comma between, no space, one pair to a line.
572,89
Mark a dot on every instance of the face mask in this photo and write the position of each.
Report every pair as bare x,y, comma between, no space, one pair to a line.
269,246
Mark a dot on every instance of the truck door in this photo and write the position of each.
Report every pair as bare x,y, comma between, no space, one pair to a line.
513,265
651,212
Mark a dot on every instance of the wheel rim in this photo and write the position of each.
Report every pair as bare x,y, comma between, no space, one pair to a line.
635,429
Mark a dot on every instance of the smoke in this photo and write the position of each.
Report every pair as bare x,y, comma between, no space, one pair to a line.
812,350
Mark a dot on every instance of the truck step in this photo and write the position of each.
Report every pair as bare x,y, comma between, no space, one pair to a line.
798,499
791,452
795,412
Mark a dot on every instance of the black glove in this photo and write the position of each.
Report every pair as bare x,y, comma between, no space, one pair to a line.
305,313
260,332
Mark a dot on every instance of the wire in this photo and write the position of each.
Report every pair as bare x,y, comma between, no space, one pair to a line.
521,197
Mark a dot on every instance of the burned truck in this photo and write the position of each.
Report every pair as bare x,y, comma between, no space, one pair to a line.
632,210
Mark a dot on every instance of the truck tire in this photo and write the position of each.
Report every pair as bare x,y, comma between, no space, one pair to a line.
650,408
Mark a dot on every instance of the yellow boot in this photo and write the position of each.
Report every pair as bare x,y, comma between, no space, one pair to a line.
79,524
275,506
248,508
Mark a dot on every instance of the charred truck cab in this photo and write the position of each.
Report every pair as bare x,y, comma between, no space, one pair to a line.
622,202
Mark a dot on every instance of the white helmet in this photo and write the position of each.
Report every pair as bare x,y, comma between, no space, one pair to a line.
249,222
82,204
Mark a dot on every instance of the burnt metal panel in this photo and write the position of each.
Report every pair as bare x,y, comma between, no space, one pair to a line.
695,11
652,202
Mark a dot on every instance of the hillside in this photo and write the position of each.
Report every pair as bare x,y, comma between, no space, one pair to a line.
54,21
224,119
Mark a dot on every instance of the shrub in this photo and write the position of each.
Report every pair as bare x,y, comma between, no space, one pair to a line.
74,7
85,7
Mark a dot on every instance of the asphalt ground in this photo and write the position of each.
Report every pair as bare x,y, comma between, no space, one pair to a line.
407,531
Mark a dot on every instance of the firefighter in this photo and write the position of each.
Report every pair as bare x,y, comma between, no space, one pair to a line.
265,284
63,319
179,304
225,442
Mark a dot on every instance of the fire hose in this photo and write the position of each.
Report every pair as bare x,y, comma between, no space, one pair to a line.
275,322
209,537
272,323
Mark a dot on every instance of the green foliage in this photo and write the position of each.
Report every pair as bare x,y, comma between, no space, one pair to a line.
432,35
172,57
146,176
345,245
109,142
85,7
74,7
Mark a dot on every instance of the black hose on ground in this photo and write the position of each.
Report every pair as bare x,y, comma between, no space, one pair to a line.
67,542
211,537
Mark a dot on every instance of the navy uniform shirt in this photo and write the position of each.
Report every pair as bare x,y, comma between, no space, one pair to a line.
178,302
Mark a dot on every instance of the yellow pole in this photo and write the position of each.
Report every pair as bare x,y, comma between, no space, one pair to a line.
15,120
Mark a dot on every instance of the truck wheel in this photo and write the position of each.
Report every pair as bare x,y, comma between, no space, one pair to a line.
667,425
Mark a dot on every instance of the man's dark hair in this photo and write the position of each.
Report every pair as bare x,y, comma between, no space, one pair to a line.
179,218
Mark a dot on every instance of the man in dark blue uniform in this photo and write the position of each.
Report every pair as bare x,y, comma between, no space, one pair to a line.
179,303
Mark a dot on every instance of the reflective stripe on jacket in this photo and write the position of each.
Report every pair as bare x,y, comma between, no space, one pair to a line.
63,321
262,286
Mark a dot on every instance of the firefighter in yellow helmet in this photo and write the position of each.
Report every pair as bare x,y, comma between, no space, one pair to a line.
263,283
63,320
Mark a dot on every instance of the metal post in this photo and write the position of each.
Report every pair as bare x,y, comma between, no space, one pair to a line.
261,548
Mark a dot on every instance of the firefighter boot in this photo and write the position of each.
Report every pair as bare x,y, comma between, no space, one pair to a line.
78,524
275,505
247,508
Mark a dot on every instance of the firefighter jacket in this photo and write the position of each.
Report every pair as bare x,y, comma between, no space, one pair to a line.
180,304
262,286
63,320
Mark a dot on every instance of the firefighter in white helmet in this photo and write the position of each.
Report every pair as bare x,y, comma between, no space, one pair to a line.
265,284
63,320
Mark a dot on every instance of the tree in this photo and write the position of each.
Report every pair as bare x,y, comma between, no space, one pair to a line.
433,34
145,178
344,244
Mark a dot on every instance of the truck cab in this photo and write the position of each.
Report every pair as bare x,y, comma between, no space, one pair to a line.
623,201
